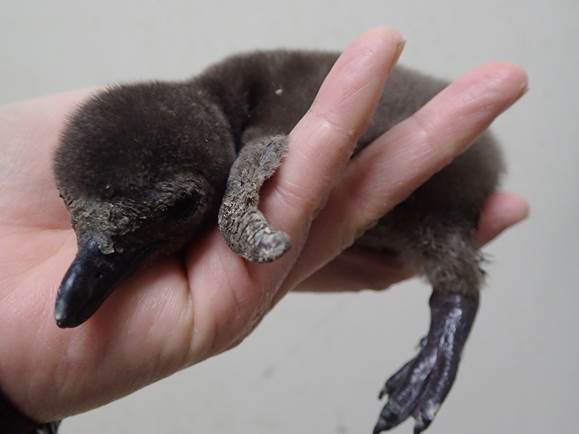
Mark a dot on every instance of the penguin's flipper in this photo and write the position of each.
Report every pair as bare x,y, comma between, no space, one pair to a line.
419,388
243,226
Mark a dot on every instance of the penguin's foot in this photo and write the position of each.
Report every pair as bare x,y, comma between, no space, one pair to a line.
419,388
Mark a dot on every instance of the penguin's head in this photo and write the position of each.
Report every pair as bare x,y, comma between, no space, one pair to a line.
141,169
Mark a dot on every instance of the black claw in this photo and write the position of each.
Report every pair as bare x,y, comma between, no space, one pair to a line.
387,420
422,384
421,425
380,426
424,417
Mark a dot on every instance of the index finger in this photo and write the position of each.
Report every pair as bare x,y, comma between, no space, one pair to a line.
323,141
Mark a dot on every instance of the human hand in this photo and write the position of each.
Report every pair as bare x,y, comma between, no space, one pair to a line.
190,307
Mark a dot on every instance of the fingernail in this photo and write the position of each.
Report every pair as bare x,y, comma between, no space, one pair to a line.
524,90
398,53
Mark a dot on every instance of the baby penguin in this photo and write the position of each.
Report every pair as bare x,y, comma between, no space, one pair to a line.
145,167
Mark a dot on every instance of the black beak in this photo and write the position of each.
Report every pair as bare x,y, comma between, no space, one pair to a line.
91,278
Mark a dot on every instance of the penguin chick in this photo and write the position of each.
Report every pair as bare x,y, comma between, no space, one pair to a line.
143,168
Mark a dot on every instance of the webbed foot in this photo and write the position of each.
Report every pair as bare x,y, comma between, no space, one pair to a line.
419,388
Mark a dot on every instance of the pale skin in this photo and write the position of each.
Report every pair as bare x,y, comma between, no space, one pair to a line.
187,308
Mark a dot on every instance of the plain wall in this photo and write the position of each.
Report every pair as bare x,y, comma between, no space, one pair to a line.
316,363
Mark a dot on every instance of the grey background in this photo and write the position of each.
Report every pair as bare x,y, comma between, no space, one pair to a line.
316,363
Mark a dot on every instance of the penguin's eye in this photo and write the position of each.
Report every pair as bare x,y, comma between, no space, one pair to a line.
182,208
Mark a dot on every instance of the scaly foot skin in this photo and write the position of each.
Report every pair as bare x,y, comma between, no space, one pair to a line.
419,388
